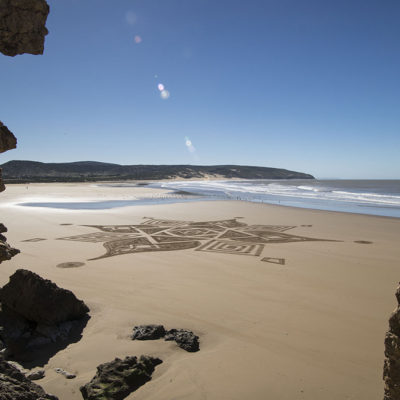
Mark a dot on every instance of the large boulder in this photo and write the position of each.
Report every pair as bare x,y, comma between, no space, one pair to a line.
22,26
115,380
391,368
37,318
40,300
15,386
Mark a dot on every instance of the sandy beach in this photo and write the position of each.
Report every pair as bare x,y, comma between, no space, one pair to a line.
288,303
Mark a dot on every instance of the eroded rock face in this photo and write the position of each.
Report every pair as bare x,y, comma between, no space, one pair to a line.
22,26
6,251
185,339
40,300
148,332
35,315
14,385
391,368
7,139
7,142
115,380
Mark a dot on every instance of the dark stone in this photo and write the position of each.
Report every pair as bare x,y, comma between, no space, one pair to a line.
40,300
15,386
185,339
7,140
31,324
391,368
6,251
115,380
3,229
148,332
22,26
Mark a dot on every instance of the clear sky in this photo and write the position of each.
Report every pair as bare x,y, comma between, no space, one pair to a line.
310,85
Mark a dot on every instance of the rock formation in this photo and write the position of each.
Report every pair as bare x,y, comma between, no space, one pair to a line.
36,313
391,368
7,142
115,380
40,300
14,385
22,26
148,332
6,251
184,338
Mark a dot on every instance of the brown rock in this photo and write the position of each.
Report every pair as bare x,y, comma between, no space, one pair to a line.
391,368
115,380
22,26
7,140
14,385
40,300
7,252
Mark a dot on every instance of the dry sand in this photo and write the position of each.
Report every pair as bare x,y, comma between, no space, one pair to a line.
310,329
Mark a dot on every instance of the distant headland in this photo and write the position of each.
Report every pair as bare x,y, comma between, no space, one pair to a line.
92,171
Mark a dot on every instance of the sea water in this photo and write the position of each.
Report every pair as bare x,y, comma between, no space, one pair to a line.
375,197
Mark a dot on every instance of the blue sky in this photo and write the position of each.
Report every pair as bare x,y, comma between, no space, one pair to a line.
309,85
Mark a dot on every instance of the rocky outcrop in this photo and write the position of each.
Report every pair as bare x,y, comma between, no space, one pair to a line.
6,251
148,332
40,300
391,368
7,142
22,26
14,385
115,380
184,338
7,139
36,313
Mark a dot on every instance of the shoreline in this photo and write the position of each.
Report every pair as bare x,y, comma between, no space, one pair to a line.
136,195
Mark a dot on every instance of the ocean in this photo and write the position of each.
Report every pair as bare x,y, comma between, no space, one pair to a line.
374,197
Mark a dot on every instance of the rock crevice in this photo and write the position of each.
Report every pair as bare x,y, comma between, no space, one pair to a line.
22,26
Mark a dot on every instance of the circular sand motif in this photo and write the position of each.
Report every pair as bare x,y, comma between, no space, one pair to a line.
362,242
70,265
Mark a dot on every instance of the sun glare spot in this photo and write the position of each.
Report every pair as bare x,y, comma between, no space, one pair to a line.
161,87
131,18
138,39
164,94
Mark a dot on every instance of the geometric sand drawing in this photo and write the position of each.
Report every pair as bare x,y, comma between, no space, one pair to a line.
234,247
226,236
280,261
33,240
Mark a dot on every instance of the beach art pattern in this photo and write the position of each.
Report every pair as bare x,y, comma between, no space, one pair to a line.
225,236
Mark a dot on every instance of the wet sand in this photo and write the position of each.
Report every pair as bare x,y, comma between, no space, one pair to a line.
311,328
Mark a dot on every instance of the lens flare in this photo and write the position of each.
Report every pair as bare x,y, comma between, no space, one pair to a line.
189,145
131,18
164,94
138,39
161,87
